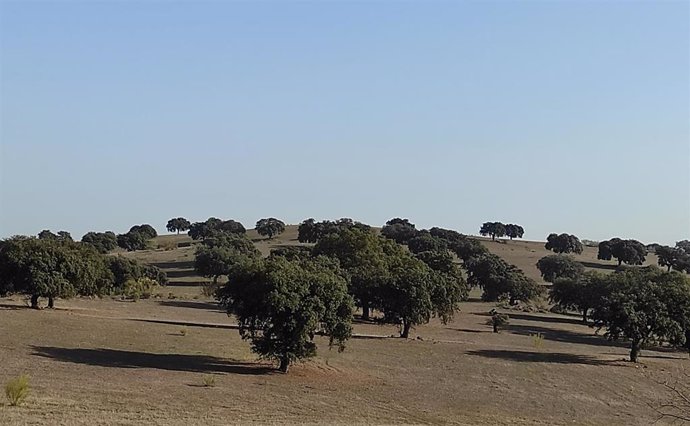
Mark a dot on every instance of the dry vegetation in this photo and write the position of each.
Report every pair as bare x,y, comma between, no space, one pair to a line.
108,361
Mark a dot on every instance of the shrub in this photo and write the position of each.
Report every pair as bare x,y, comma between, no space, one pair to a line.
537,340
209,381
141,288
497,320
17,390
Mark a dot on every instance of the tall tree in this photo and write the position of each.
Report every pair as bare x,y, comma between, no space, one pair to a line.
671,257
496,277
220,254
146,230
563,243
582,293
280,305
177,224
212,226
495,229
631,252
514,231
270,227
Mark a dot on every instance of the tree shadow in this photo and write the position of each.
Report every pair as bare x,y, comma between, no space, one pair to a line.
209,306
595,265
130,359
467,330
11,307
546,357
539,318
174,265
189,323
563,336
183,273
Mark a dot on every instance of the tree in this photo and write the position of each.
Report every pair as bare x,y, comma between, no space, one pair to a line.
580,293
306,231
361,254
212,226
280,305
639,307
496,277
177,224
559,266
514,231
671,257
132,241
103,242
495,229
632,252
146,230
563,243
424,241
125,269
399,230
220,254
52,268
292,252
270,227
310,231
60,236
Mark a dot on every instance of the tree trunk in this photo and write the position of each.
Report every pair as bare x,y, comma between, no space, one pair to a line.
284,364
365,309
687,340
495,328
584,315
51,302
406,329
178,232
34,301
493,237
620,262
668,268
635,350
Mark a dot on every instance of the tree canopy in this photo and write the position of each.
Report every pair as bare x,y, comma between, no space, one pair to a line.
103,242
563,243
280,305
212,226
494,229
581,293
223,252
270,227
399,230
673,258
177,224
559,266
514,231
496,277
631,252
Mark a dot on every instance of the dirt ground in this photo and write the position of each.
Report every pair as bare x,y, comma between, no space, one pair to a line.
114,362
106,361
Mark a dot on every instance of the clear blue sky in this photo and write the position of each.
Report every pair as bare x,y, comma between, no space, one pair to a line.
559,116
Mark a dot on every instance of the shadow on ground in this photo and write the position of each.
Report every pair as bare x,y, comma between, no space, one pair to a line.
563,336
595,265
540,318
174,265
209,306
547,357
130,359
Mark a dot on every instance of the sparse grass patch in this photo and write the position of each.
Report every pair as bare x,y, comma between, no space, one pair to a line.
208,381
183,332
17,389
537,340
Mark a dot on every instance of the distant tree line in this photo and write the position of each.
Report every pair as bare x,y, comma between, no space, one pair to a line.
498,230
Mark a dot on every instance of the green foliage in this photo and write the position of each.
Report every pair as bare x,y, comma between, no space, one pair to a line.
399,230
208,381
537,340
310,231
563,243
424,241
645,305
103,242
177,224
498,320
631,252
141,288
292,252
581,293
17,389
495,229
270,227
559,266
514,231
221,253
213,226
673,257
132,241
495,277
52,268
124,269
280,305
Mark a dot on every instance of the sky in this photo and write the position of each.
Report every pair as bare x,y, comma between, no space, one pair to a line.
560,116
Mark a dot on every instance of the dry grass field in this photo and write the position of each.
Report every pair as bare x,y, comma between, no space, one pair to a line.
118,362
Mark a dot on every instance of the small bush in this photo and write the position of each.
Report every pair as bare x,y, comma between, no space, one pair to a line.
537,340
209,381
17,390
141,288
497,320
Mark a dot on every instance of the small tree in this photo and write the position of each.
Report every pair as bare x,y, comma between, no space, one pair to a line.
146,230
514,231
581,293
132,241
563,243
672,257
178,224
424,241
631,252
559,266
498,320
280,305
221,253
103,242
270,227
496,277
495,229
